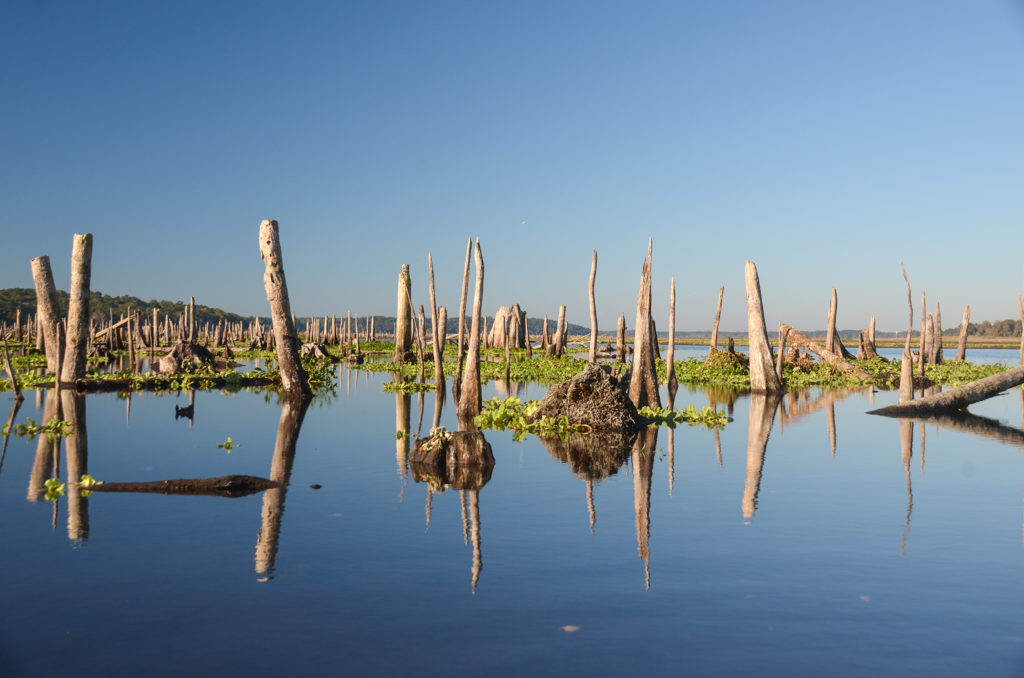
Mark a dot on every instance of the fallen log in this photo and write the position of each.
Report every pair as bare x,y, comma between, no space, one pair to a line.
958,398
221,486
827,356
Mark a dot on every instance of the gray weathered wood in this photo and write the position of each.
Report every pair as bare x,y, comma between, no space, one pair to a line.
48,314
961,342
643,385
469,402
762,367
403,319
958,398
78,309
593,310
713,344
826,356
293,376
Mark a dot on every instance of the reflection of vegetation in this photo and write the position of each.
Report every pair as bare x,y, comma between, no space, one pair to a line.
53,429
513,414
402,434
707,417
87,482
406,387
53,489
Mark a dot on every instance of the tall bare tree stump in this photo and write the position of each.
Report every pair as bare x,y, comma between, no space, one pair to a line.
48,314
403,320
713,344
593,310
643,385
293,376
469,402
961,343
78,309
762,367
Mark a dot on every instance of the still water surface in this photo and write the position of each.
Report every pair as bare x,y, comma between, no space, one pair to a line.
843,544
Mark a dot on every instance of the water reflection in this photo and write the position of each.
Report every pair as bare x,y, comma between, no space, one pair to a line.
643,470
292,414
76,450
906,452
762,417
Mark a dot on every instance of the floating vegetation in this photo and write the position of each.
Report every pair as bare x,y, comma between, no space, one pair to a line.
53,489
514,415
87,482
228,445
406,387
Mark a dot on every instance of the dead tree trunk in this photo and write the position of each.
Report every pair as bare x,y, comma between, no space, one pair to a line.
437,331
826,356
643,385
923,350
48,314
293,376
221,486
526,330
593,310
403,321
961,343
469,403
461,348
560,332
937,336
78,309
620,340
1020,308
713,344
907,367
958,398
670,368
762,368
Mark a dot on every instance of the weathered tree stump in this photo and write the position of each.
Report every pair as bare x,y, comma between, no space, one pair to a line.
643,387
293,376
469,402
762,367
78,309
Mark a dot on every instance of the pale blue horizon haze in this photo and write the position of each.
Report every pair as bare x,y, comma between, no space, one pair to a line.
827,142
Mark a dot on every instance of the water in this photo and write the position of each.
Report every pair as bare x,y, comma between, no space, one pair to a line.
837,550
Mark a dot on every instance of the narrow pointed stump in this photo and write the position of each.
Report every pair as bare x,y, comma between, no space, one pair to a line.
529,343
1020,307
460,351
783,333
593,310
469,402
673,383
937,357
403,321
14,382
48,314
643,385
762,368
713,344
923,351
436,329
961,343
907,367
78,309
293,376
830,325
620,340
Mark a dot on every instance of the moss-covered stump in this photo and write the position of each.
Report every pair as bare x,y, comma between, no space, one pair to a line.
596,398
462,460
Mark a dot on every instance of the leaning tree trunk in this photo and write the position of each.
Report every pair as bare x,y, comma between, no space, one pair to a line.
469,402
293,376
78,309
958,398
48,314
643,385
762,368
961,343
403,321
826,356
713,344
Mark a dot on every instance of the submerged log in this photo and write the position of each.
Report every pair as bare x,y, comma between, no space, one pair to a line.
958,398
221,486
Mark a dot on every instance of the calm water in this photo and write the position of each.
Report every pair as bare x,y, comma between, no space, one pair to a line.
843,544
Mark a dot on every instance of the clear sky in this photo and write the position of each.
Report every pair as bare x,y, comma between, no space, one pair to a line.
826,141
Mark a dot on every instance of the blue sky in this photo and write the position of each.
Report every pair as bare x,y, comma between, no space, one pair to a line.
826,141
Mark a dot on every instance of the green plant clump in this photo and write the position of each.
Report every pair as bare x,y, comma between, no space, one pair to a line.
53,429
707,417
513,414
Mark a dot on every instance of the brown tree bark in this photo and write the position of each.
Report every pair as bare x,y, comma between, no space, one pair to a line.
293,376
762,368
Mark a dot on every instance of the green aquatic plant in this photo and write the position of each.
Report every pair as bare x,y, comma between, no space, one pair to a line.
228,445
513,414
707,417
53,429
406,387
53,489
86,483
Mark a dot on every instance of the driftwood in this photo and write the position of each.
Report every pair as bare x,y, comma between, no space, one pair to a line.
958,398
221,486
826,356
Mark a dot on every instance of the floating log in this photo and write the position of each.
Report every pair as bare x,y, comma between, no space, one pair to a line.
221,486
826,356
958,398
293,376
762,367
